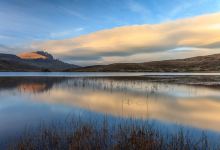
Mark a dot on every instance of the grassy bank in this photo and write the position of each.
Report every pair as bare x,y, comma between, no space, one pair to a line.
84,135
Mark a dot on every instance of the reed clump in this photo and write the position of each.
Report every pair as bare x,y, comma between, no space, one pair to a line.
80,135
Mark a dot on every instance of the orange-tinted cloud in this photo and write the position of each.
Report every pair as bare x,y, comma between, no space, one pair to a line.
202,32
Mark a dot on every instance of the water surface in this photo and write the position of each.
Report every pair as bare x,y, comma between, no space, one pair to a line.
31,99
99,74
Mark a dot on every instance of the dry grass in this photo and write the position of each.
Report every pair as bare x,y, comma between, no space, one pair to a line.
84,135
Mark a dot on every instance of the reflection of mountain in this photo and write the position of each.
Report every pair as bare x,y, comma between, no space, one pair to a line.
188,105
192,106
197,112
32,88
30,84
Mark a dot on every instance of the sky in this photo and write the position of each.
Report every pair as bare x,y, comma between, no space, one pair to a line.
89,32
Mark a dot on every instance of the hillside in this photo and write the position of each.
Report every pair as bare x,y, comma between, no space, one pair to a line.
34,61
42,61
35,55
210,63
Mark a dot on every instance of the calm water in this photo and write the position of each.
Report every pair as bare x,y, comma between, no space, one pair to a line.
95,74
31,100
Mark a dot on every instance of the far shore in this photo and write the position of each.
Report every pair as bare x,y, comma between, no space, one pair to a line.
197,79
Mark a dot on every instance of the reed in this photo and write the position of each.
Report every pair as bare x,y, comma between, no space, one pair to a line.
103,135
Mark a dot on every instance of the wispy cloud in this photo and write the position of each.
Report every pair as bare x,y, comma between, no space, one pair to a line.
201,33
74,13
66,33
179,9
12,49
5,37
136,7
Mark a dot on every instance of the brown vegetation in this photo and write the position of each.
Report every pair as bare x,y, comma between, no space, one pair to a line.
78,135
210,63
31,55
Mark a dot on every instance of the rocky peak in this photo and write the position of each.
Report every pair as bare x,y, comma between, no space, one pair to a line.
36,55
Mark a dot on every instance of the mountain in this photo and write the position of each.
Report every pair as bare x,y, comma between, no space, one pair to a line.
43,61
36,55
33,61
210,63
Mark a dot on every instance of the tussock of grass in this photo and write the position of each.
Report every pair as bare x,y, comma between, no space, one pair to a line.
82,135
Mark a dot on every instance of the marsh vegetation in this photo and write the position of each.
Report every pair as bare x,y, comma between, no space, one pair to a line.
76,134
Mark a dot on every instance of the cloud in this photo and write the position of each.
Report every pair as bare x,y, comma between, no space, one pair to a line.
136,7
74,13
12,49
66,32
202,32
4,37
144,57
3,48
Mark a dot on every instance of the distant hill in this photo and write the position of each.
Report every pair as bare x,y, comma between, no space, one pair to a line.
43,61
210,63
36,55
33,61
